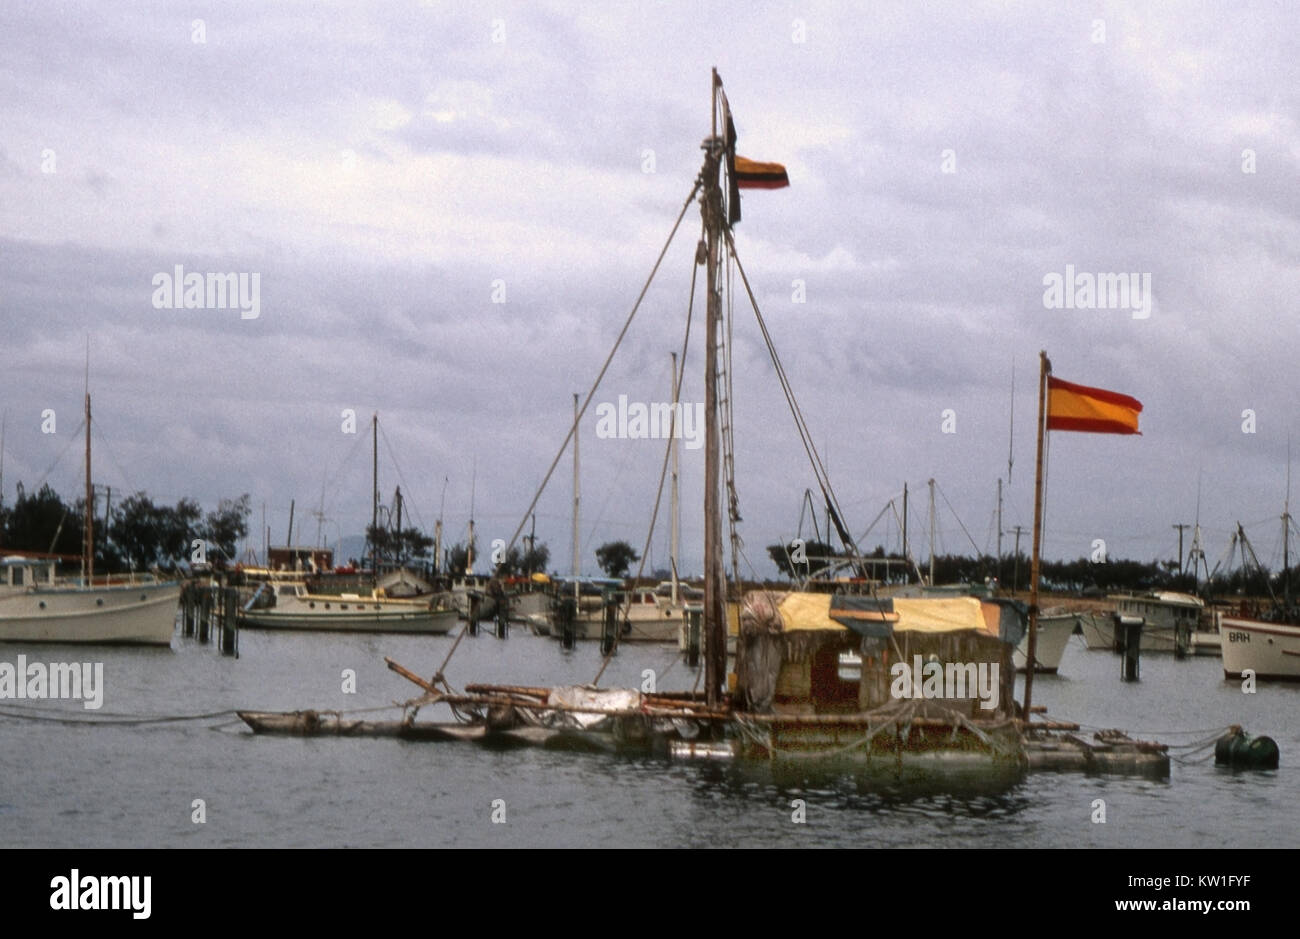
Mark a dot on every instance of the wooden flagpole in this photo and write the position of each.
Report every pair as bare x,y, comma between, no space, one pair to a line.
1045,367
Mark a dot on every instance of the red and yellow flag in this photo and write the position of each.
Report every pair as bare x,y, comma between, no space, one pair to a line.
1092,410
751,174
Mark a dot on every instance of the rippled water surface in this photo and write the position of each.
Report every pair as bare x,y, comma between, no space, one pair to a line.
74,785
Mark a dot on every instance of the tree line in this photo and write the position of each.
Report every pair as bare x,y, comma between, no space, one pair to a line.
1012,571
138,534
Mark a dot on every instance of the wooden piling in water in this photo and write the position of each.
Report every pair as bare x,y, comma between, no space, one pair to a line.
187,609
230,622
205,614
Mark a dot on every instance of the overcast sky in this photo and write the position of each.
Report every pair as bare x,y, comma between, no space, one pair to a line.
388,170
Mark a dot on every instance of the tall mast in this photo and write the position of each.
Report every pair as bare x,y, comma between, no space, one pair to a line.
931,532
1031,653
88,548
374,496
473,487
715,601
999,567
437,530
676,509
1286,532
575,497
907,556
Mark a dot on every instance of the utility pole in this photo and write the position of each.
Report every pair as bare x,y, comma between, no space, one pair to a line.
1015,583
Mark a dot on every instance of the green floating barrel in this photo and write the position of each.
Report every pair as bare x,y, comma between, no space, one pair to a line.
1240,750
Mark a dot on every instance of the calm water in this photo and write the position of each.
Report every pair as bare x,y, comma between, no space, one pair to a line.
70,785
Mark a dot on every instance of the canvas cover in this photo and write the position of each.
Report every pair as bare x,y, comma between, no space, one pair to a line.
880,618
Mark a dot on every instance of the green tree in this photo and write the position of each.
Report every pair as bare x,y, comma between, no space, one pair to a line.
43,522
615,557
227,526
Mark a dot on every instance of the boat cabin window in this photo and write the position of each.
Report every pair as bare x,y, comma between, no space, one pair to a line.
287,591
17,576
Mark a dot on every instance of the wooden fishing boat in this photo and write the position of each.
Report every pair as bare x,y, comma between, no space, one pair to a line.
37,606
294,607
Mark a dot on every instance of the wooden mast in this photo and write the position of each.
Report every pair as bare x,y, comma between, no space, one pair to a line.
88,544
1045,367
715,601
374,497
675,519
576,496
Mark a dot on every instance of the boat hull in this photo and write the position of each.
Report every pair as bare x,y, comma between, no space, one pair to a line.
1054,634
141,614
1270,650
429,622
1099,633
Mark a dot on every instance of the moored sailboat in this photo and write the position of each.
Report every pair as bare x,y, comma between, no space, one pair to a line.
35,606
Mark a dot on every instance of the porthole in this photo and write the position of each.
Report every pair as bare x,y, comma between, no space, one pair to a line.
42,604
99,601
327,606
312,604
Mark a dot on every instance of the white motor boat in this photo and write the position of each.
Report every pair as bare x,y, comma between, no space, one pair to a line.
36,607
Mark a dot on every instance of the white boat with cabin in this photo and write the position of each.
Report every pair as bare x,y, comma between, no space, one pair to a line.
35,606
1171,622
294,607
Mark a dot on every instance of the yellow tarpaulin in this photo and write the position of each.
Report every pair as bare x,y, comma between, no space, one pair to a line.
807,611
811,611
945,615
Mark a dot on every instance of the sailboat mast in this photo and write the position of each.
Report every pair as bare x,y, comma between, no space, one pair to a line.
999,567
715,609
907,555
1031,652
1286,533
674,541
575,497
88,548
931,532
374,496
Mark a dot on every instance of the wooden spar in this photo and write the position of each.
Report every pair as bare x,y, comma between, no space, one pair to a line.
1031,652
675,512
88,547
374,497
411,676
715,612
576,593
678,698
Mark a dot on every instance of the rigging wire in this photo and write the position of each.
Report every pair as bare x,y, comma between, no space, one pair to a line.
573,427
810,448
678,375
397,466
